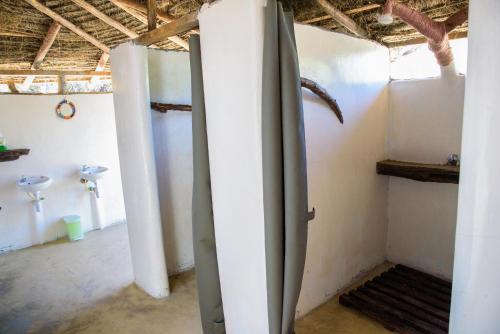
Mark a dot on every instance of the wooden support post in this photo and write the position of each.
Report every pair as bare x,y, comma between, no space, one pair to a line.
65,23
60,84
151,14
12,87
342,19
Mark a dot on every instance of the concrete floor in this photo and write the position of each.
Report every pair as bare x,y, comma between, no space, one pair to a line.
87,287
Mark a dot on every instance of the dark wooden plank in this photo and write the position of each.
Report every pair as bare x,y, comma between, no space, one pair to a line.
430,284
419,172
11,155
435,279
405,307
410,300
418,285
389,321
405,317
410,291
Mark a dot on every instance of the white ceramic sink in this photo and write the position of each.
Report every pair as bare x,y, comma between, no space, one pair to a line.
92,173
33,184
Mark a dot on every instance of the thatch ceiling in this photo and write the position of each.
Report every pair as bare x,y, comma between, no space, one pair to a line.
22,27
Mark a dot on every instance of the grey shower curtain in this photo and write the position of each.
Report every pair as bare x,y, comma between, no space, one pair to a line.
205,256
284,167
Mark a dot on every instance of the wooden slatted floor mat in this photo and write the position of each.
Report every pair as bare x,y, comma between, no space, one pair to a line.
404,300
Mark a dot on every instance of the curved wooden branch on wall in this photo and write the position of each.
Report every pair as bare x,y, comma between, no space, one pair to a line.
323,94
304,82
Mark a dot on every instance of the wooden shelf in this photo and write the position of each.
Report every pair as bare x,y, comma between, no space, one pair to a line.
11,155
419,172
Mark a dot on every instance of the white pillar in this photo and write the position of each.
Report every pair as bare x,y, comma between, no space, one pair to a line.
135,147
231,47
476,291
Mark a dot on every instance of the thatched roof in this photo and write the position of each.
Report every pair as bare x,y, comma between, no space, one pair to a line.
22,27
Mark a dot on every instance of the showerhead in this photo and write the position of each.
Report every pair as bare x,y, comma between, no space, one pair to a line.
385,19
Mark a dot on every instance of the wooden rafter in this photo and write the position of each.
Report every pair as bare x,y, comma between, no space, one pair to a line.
342,19
183,24
151,4
65,23
52,73
106,19
347,12
49,39
139,11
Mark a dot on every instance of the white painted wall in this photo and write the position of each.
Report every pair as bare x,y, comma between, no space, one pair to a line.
129,64
476,296
170,82
425,126
231,47
348,235
58,149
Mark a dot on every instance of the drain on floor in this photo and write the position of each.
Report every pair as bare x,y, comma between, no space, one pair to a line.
404,300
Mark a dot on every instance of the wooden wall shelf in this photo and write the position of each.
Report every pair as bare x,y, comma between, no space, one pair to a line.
11,155
419,172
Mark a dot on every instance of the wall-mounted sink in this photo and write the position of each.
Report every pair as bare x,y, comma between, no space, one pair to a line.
92,173
33,184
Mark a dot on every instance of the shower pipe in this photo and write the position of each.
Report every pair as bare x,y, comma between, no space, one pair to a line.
436,32
304,82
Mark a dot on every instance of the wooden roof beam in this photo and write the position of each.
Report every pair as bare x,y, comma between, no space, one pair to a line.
52,73
106,19
151,4
183,24
65,23
347,12
342,19
49,39
139,11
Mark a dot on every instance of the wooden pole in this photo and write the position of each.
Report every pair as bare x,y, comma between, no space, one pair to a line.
65,23
139,11
347,12
183,24
52,73
106,19
60,84
151,14
342,19
49,39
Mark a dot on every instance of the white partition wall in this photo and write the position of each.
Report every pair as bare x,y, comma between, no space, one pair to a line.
140,186
231,47
476,297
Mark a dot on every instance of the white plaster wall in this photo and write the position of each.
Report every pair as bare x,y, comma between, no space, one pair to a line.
129,64
348,235
425,126
476,295
170,82
231,48
58,149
